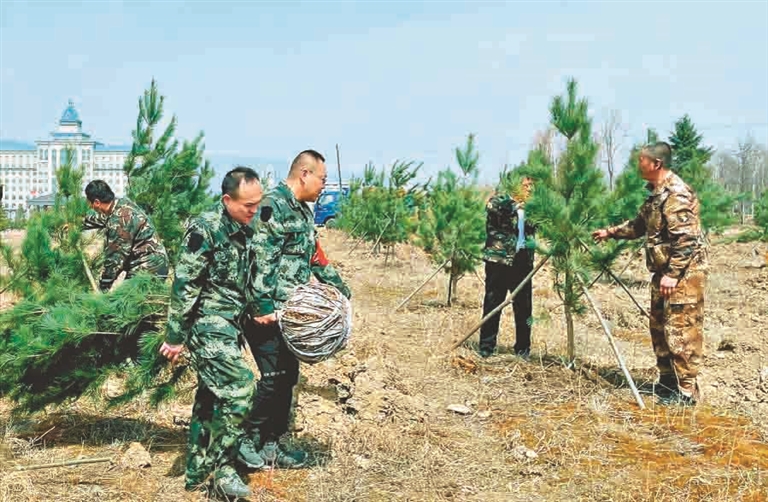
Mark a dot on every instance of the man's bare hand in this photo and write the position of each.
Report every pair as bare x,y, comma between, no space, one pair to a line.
171,352
266,320
667,286
601,235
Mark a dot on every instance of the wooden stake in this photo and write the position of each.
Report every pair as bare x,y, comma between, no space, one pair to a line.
629,293
632,258
90,275
408,298
381,235
62,464
506,302
607,332
751,252
619,282
359,241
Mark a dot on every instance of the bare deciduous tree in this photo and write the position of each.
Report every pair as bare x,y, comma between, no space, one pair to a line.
611,133
761,171
726,170
545,141
747,159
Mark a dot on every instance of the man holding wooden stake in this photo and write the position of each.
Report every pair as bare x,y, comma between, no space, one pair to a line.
676,254
507,262
131,243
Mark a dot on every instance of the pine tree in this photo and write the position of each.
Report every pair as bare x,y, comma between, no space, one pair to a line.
686,146
570,207
689,161
382,208
630,190
19,219
452,228
169,181
62,340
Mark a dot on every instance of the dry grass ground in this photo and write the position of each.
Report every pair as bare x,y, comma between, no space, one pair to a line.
376,420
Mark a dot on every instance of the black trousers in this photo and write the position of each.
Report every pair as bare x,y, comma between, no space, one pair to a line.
499,280
279,370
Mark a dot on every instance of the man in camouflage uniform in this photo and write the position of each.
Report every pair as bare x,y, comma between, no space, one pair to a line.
676,253
209,298
507,262
288,254
130,243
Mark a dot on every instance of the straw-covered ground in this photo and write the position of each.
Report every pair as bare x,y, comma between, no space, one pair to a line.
382,422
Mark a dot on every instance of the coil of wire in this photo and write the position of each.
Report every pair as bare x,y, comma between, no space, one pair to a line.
316,322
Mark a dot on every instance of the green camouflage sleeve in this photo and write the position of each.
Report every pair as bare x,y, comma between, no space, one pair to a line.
268,243
630,229
325,272
94,220
329,275
684,232
501,205
189,277
118,239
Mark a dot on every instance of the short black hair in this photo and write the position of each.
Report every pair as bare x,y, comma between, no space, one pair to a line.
299,160
230,185
99,190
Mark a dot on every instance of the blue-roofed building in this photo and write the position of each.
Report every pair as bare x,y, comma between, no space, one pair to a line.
27,170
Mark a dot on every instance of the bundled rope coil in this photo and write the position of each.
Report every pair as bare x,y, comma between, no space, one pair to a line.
315,322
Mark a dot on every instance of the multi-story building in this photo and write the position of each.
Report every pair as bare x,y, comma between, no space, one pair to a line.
28,171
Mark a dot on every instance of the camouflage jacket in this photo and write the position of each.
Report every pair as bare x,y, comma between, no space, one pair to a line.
287,250
669,218
130,242
501,229
214,273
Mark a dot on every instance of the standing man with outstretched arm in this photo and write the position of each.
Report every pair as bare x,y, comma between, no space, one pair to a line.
676,253
288,254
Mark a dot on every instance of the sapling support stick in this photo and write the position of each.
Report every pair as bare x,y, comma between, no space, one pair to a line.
616,352
506,302
434,273
63,464
606,269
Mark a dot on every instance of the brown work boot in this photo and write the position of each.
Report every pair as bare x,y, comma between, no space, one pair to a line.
686,394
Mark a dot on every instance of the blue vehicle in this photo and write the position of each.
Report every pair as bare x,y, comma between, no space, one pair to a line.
328,204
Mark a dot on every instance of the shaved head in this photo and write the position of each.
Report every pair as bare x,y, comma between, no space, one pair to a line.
307,175
306,160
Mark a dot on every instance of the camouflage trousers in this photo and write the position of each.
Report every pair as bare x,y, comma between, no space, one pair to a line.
224,398
676,326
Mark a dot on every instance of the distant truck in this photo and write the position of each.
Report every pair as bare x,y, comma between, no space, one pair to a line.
327,206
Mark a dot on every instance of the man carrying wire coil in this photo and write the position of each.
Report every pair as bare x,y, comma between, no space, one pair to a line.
288,254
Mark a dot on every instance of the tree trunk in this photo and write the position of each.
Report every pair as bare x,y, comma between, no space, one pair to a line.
453,279
743,210
389,250
569,330
571,349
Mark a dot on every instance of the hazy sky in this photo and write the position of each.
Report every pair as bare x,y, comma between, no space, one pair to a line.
389,80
